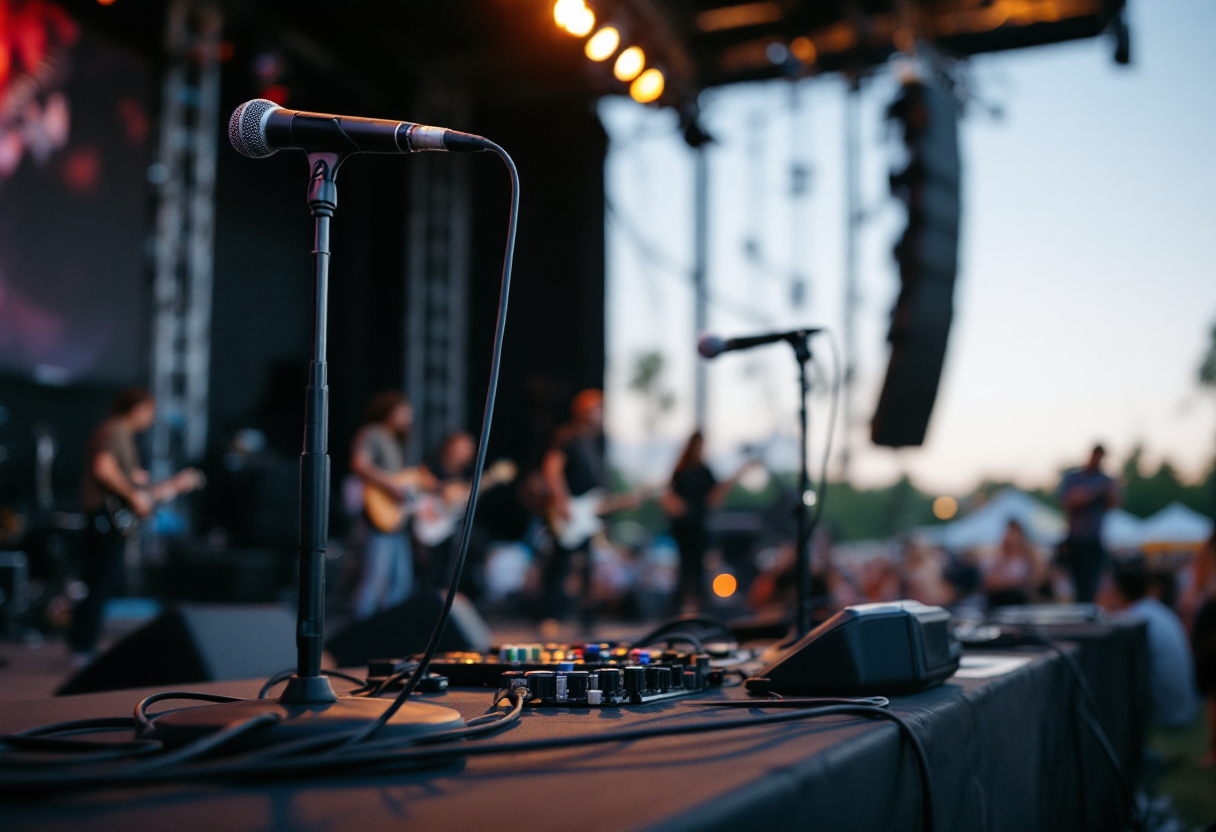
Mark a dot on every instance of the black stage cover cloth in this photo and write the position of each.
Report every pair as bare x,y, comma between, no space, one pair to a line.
1003,753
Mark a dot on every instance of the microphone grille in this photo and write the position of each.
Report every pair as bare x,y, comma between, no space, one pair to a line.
245,128
710,346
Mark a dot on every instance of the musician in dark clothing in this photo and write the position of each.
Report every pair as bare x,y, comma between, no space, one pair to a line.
694,492
572,467
111,469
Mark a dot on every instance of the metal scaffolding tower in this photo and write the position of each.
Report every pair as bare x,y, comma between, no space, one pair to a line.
437,291
185,174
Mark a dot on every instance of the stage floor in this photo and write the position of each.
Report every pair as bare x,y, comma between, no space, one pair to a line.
1002,749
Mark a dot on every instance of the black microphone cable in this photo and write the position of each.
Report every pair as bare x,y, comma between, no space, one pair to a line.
466,528
434,750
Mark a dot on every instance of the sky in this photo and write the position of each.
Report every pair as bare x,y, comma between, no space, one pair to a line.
1087,268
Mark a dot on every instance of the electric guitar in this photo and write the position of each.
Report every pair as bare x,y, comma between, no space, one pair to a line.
388,513
436,515
123,519
584,517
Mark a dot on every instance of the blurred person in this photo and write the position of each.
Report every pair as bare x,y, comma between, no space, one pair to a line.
693,493
573,467
378,459
924,578
966,581
1172,688
115,483
1086,493
1201,598
1015,573
1163,585
451,465
880,580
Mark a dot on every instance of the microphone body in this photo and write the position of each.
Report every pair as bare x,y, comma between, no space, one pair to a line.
711,346
261,128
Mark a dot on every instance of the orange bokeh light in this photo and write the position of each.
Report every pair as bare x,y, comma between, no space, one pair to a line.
725,585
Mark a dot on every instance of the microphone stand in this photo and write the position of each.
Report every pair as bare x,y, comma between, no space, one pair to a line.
308,705
308,685
801,342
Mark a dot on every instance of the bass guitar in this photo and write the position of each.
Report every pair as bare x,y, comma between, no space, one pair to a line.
123,519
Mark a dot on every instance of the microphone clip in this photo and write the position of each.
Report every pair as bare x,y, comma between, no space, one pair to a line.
322,182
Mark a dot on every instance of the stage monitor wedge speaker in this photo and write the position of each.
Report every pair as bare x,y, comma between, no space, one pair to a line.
928,262
194,643
404,630
879,649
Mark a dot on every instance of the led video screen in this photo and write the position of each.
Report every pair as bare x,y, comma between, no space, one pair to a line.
76,134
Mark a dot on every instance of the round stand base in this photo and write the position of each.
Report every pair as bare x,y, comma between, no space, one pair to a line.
300,721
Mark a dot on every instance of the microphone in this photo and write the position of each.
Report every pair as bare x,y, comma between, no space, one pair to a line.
261,128
711,346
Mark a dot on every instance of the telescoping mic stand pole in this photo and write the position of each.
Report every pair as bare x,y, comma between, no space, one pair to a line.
801,342
308,685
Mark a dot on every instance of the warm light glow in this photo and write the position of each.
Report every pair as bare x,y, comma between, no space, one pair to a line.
629,63
603,43
105,2
804,50
581,22
736,17
647,87
564,10
945,507
725,585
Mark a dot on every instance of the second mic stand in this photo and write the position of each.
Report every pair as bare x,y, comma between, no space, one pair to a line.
801,342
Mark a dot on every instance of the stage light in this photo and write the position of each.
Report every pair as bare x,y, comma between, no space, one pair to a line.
563,10
945,507
647,87
574,16
581,23
629,64
603,43
105,2
725,585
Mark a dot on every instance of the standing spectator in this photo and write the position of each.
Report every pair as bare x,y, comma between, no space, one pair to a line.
1016,573
1171,670
1086,494
1201,597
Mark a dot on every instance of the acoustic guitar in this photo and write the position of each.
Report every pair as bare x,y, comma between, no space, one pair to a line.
388,513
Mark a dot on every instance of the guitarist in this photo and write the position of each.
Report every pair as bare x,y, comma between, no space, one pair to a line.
573,465
111,468
377,457
452,467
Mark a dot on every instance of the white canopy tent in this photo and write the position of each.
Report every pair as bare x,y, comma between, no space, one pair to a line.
1122,530
986,525
1175,525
